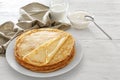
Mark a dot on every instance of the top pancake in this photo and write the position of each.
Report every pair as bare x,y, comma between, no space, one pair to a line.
44,46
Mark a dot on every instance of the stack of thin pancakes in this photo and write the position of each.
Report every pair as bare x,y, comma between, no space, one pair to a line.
44,50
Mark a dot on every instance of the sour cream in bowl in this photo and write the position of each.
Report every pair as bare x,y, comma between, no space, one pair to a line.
78,19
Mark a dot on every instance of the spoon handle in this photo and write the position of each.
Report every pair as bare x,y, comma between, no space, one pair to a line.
90,18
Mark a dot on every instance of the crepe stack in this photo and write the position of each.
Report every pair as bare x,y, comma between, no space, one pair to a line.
44,50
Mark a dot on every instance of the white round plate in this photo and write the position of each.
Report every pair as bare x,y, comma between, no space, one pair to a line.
12,62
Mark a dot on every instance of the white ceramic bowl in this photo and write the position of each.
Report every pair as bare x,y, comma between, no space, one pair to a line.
78,19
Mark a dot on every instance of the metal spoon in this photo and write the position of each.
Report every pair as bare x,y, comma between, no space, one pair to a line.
90,18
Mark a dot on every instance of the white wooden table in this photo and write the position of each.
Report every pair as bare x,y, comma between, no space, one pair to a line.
101,59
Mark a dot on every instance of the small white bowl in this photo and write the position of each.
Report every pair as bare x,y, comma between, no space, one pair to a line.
78,19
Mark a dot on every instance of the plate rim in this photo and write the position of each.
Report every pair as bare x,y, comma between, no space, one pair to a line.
67,70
